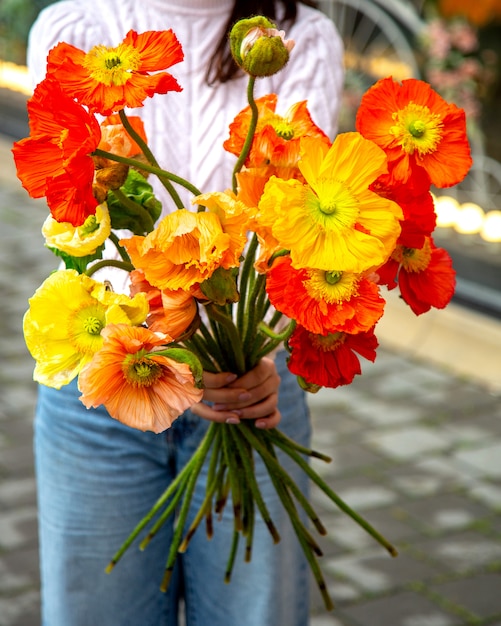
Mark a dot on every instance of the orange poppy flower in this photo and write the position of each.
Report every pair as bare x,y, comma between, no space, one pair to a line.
277,137
185,249
54,161
417,129
109,79
324,302
425,276
171,312
329,360
138,387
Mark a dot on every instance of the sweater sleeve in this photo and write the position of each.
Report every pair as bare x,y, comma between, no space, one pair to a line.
315,69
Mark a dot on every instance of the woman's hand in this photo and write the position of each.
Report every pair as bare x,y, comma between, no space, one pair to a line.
252,396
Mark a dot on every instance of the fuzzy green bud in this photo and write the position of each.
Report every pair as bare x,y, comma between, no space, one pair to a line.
258,47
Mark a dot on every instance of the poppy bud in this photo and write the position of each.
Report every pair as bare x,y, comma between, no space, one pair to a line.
258,47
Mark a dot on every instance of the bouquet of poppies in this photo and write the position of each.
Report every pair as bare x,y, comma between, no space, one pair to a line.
295,253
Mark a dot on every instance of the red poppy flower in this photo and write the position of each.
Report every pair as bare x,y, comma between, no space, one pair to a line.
54,161
109,79
331,360
424,276
417,129
418,210
324,302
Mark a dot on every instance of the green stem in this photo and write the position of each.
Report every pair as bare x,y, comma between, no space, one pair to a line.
235,341
252,315
149,168
278,436
336,499
274,467
123,265
231,558
200,456
250,133
151,513
250,477
212,483
121,250
244,282
233,472
151,158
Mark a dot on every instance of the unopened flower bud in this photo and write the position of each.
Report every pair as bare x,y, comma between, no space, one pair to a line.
258,47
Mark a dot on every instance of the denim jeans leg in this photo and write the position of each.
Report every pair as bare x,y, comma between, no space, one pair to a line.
96,480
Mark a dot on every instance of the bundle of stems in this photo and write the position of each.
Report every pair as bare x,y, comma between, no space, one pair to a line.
233,338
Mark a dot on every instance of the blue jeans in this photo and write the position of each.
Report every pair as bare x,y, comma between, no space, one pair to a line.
97,478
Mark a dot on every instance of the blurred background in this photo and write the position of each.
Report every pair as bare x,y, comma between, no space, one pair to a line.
416,440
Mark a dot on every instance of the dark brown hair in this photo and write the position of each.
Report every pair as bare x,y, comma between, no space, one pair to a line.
222,67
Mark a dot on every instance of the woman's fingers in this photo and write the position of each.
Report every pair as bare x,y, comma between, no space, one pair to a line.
263,419
251,396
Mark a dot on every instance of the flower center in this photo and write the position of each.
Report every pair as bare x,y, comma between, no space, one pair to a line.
413,259
112,66
89,226
331,287
283,128
327,343
92,325
417,128
140,371
85,327
335,206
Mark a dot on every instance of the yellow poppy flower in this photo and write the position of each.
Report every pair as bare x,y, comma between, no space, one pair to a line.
62,327
334,220
82,240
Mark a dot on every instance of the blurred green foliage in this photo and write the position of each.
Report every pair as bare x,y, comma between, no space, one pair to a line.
16,18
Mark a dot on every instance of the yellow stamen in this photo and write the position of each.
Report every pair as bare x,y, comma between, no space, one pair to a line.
336,206
283,128
327,343
417,128
112,66
140,371
92,325
332,287
84,328
413,259
89,226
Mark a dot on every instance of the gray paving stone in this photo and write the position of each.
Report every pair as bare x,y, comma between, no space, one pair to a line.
389,522
463,551
357,495
486,459
446,512
325,620
408,443
480,595
377,412
488,494
374,571
22,610
403,609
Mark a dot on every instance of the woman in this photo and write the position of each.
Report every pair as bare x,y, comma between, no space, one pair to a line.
97,477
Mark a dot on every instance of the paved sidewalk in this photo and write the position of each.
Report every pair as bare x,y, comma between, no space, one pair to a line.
415,448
